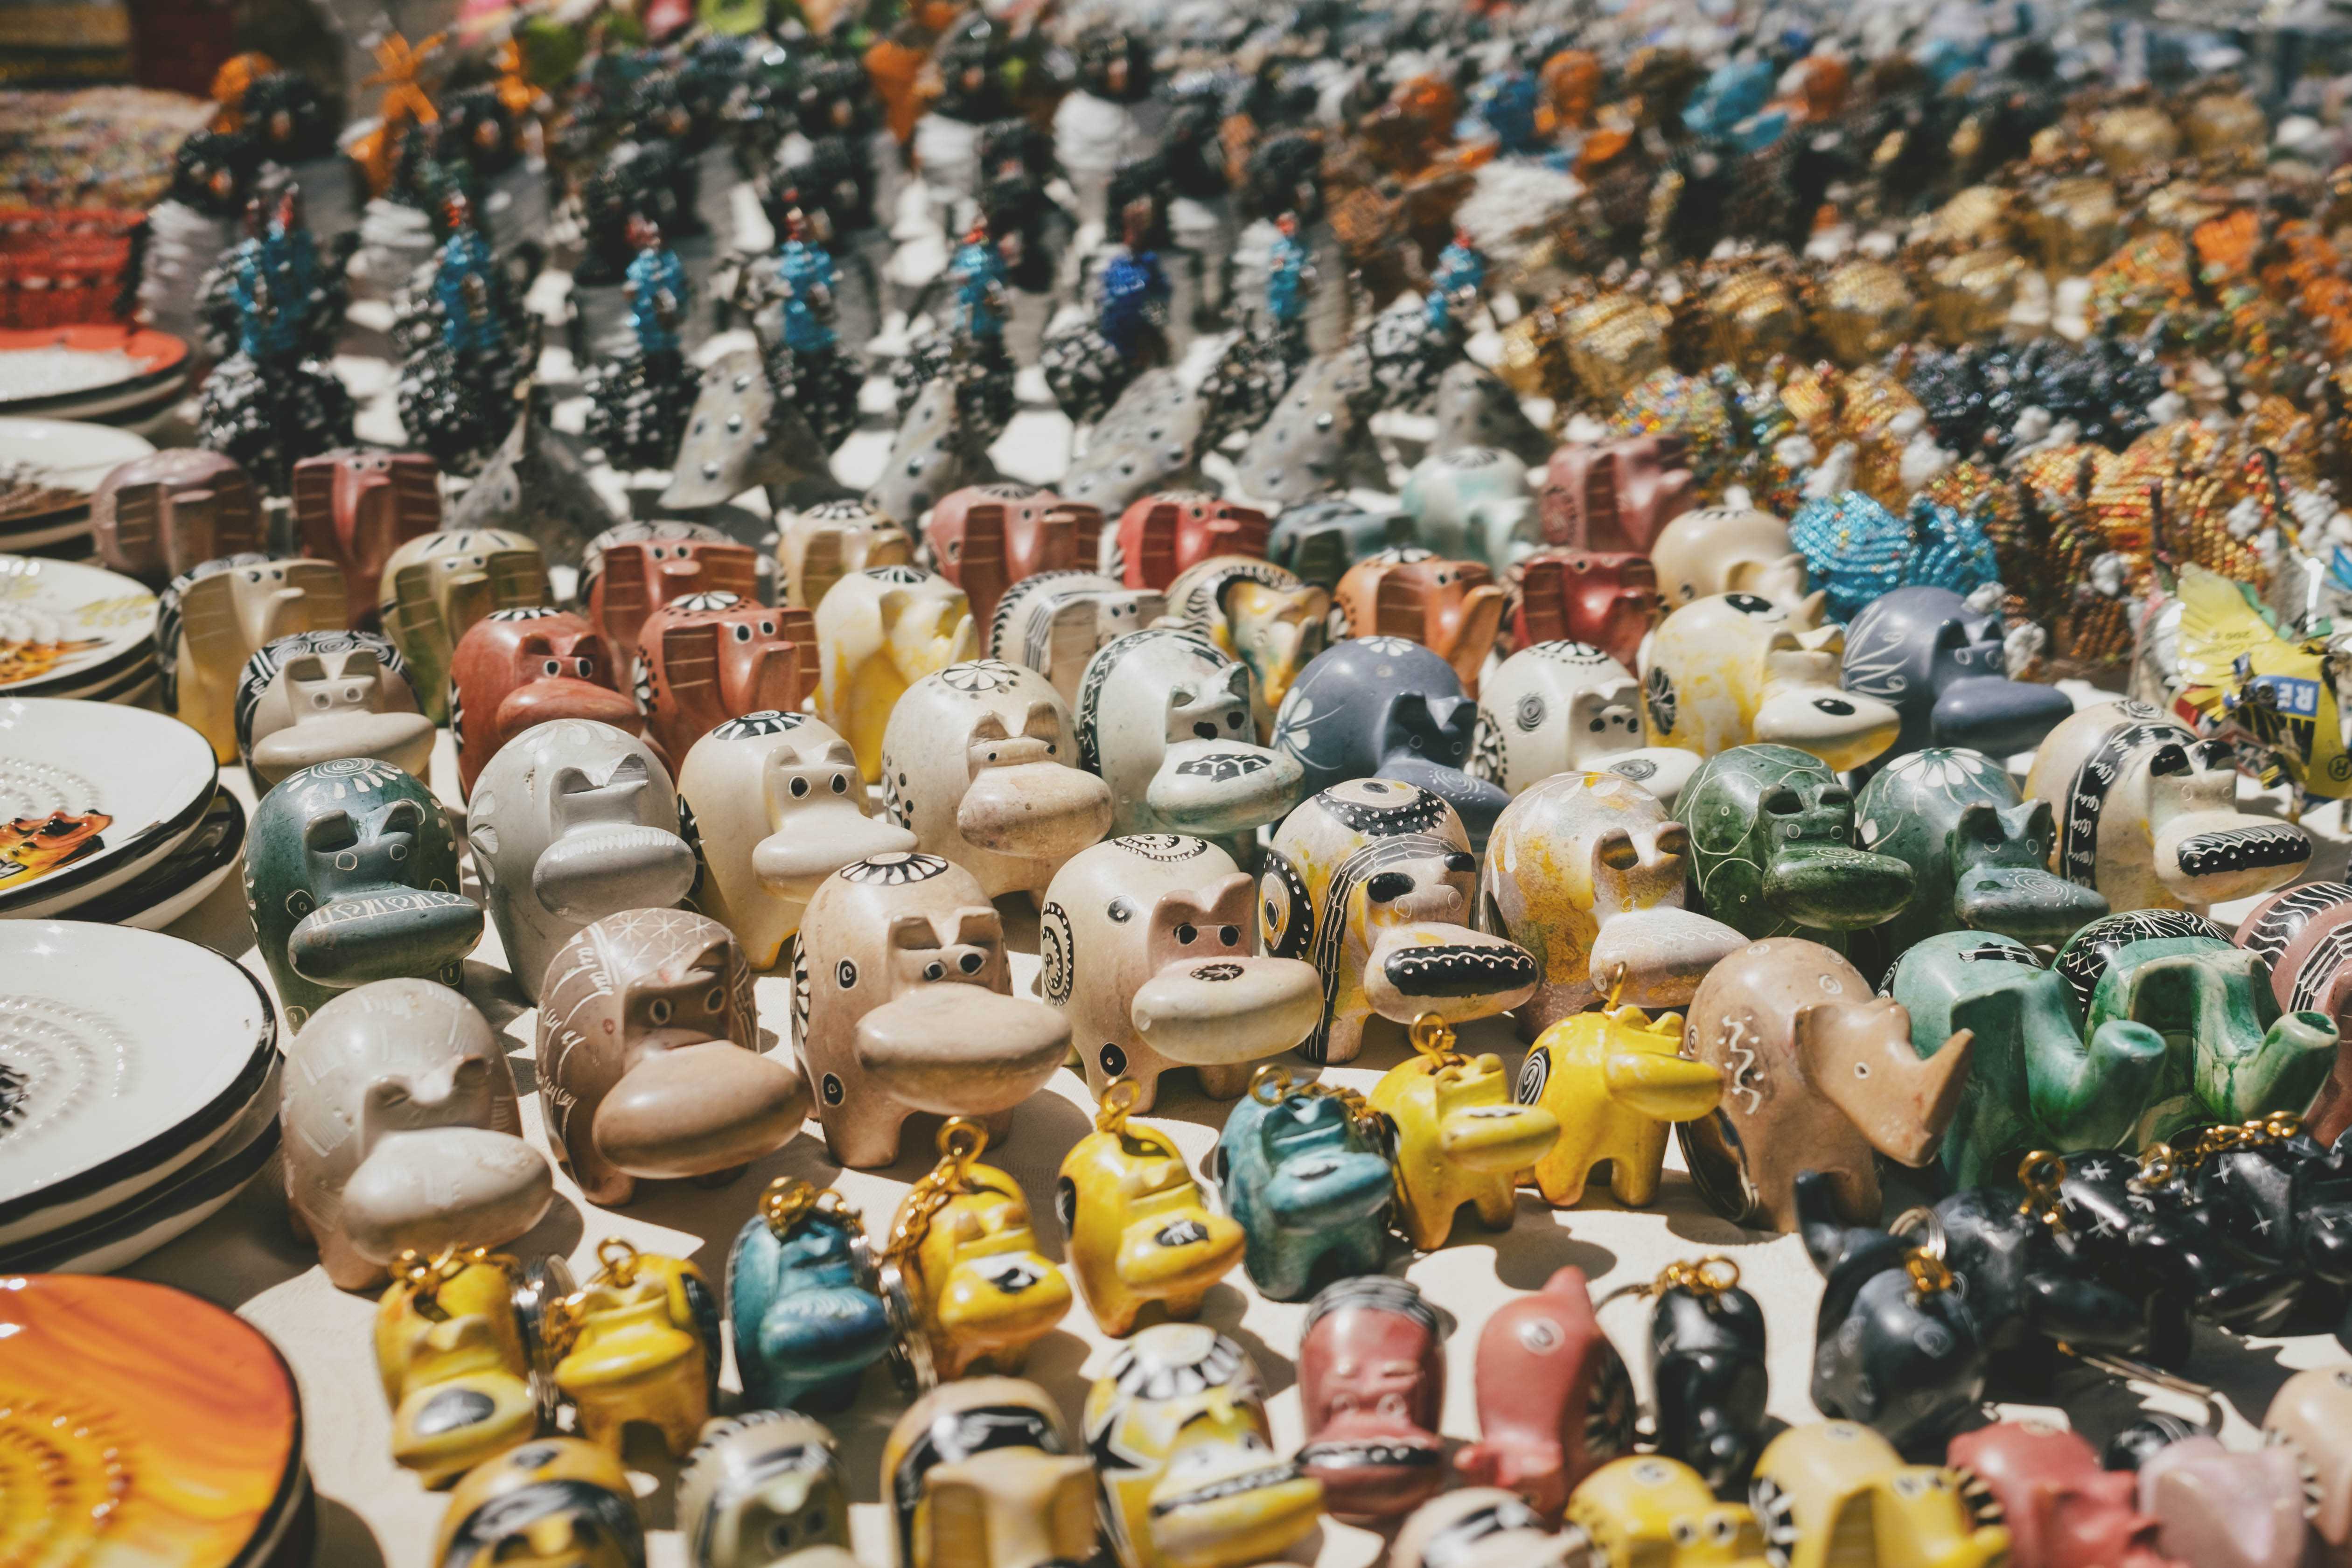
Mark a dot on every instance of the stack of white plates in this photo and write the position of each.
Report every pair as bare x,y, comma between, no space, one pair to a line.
63,455
138,1088
93,797
120,375
72,631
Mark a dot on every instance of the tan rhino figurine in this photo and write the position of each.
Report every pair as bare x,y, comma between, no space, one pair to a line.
903,997
774,805
1817,1073
320,696
979,763
1057,621
1149,944
1738,669
818,546
402,1131
648,1058
213,618
1258,612
435,588
1727,549
877,633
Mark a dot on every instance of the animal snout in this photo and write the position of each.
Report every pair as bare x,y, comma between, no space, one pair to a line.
552,697
1997,715
2243,849
2026,903
443,1186
403,739
1833,888
381,935
817,840
1040,810
1217,786
1844,729
1662,952
1227,1009
694,1109
961,1050
1499,1140
1458,970
600,870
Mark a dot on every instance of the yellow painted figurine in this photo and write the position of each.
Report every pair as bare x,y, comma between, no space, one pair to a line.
640,1346
450,1350
1657,1513
1836,1491
965,1254
556,1502
1614,1080
978,1474
1459,1138
1139,1232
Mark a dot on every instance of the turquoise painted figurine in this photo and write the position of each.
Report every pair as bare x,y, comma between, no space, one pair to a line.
1772,831
350,875
1303,1171
803,1297
2033,1082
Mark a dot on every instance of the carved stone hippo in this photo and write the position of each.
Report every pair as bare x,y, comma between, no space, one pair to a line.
1372,1386
623,580
1816,1074
1738,669
520,667
1772,832
932,455
1943,666
819,545
355,509
904,1003
1162,535
1260,614
1476,408
213,618
878,633
773,804
1316,440
1568,707
985,1459
1164,717
437,586
316,696
2299,935
1309,1184
764,1489
1727,550
1451,607
986,538
1473,504
804,1299
1320,539
1388,707
1149,440
980,762
156,517
1617,496
704,659
1057,621
1568,595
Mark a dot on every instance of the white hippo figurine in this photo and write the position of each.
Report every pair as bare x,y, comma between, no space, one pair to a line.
1053,621
1738,669
877,633
1568,707
1473,504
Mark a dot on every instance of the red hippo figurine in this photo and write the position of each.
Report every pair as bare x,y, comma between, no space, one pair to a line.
2063,1510
355,509
709,657
1371,1382
986,538
630,578
1614,496
1605,602
1162,534
1453,608
515,668
1554,1403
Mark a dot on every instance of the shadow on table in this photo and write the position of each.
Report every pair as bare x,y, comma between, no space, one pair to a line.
344,1539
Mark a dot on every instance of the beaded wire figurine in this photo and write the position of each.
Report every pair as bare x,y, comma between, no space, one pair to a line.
638,402
273,403
469,351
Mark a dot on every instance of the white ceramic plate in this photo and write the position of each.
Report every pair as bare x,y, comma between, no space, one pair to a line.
67,453
125,1056
139,779
59,619
181,879
122,684
76,525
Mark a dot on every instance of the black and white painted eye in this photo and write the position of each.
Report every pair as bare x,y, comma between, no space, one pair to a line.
767,628
320,699
553,668
1722,1528
1186,933
714,999
585,668
743,632
799,787
935,970
969,963
1229,934
1685,1532
1861,1070
660,1010
840,783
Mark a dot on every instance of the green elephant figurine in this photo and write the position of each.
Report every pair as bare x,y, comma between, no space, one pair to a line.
2230,1055
2034,1083
1772,854
1978,850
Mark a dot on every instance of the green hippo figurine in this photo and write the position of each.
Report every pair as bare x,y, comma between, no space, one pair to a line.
2033,1083
2230,1054
1977,849
1772,848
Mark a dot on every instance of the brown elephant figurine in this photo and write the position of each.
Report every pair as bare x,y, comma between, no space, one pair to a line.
157,516
1614,496
986,538
623,580
709,657
1451,607
1818,1072
516,668
355,509
1605,602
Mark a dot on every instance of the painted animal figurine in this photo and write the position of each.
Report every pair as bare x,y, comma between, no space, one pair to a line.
1185,1456
2147,815
638,1345
1149,944
1148,442
2224,1510
1837,1485
1057,621
435,585
537,484
1320,539
356,508
217,615
1727,550
1319,439
1164,717
1816,1074
648,1055
1656,1512
2299,933
986,538
1371,1388
1473,503
456,1370
670,533
1390,708
554,1489
1978,850
622,580
1738,669
350,875
518,668
935,453
1555,1402
1485,1524
1942,664
1617,496
572,821
1706,1352
709,657
804,1297
2309,1418
980,1472
819,545
1569,707
1614,1081
742,437
1772,836
1608,601
1585,871
765,1490
402,1134
1477,408
979,763
2034,1082
1453,608
905,1004
2029,1290
1166,534
1372,881
159,516
1460,1138
1258,612
1141,1240
318,695
967,1257
1308,1178
878,633
773,805
2063,1510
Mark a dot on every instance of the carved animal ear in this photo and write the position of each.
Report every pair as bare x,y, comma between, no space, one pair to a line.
402,816
361,663
913,933
1979,823
987,727
893,604
979,927
1043,721
330,831
307,668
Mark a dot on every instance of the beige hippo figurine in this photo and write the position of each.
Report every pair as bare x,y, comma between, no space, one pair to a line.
215,616
649,1064
435,588
1586,872
1727,549
818,546
1819,1074
1568,707
1372,881
1149,946
773,804
2147,813
877,633
402,1131
319,695
1261,614
1736,669
1054,621
979,763
903,1001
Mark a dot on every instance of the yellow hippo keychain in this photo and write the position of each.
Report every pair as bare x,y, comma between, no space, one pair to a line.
638,1345
450,1351
1139,1232
1459,1137
973,1291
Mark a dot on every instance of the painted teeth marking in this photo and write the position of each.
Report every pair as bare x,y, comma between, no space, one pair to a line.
1233,1485
1366,1452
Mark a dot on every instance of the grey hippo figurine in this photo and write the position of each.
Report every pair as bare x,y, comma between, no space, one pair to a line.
1941,663
1772,848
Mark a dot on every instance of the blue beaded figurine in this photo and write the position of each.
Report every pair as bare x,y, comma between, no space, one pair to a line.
1242,388
1089,364
825,384
271,402
469,351
638,404
973,349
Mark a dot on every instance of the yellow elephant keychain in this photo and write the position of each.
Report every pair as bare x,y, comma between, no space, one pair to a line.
962,1270
1459,1137
1139,1232
454,1368
637,1346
